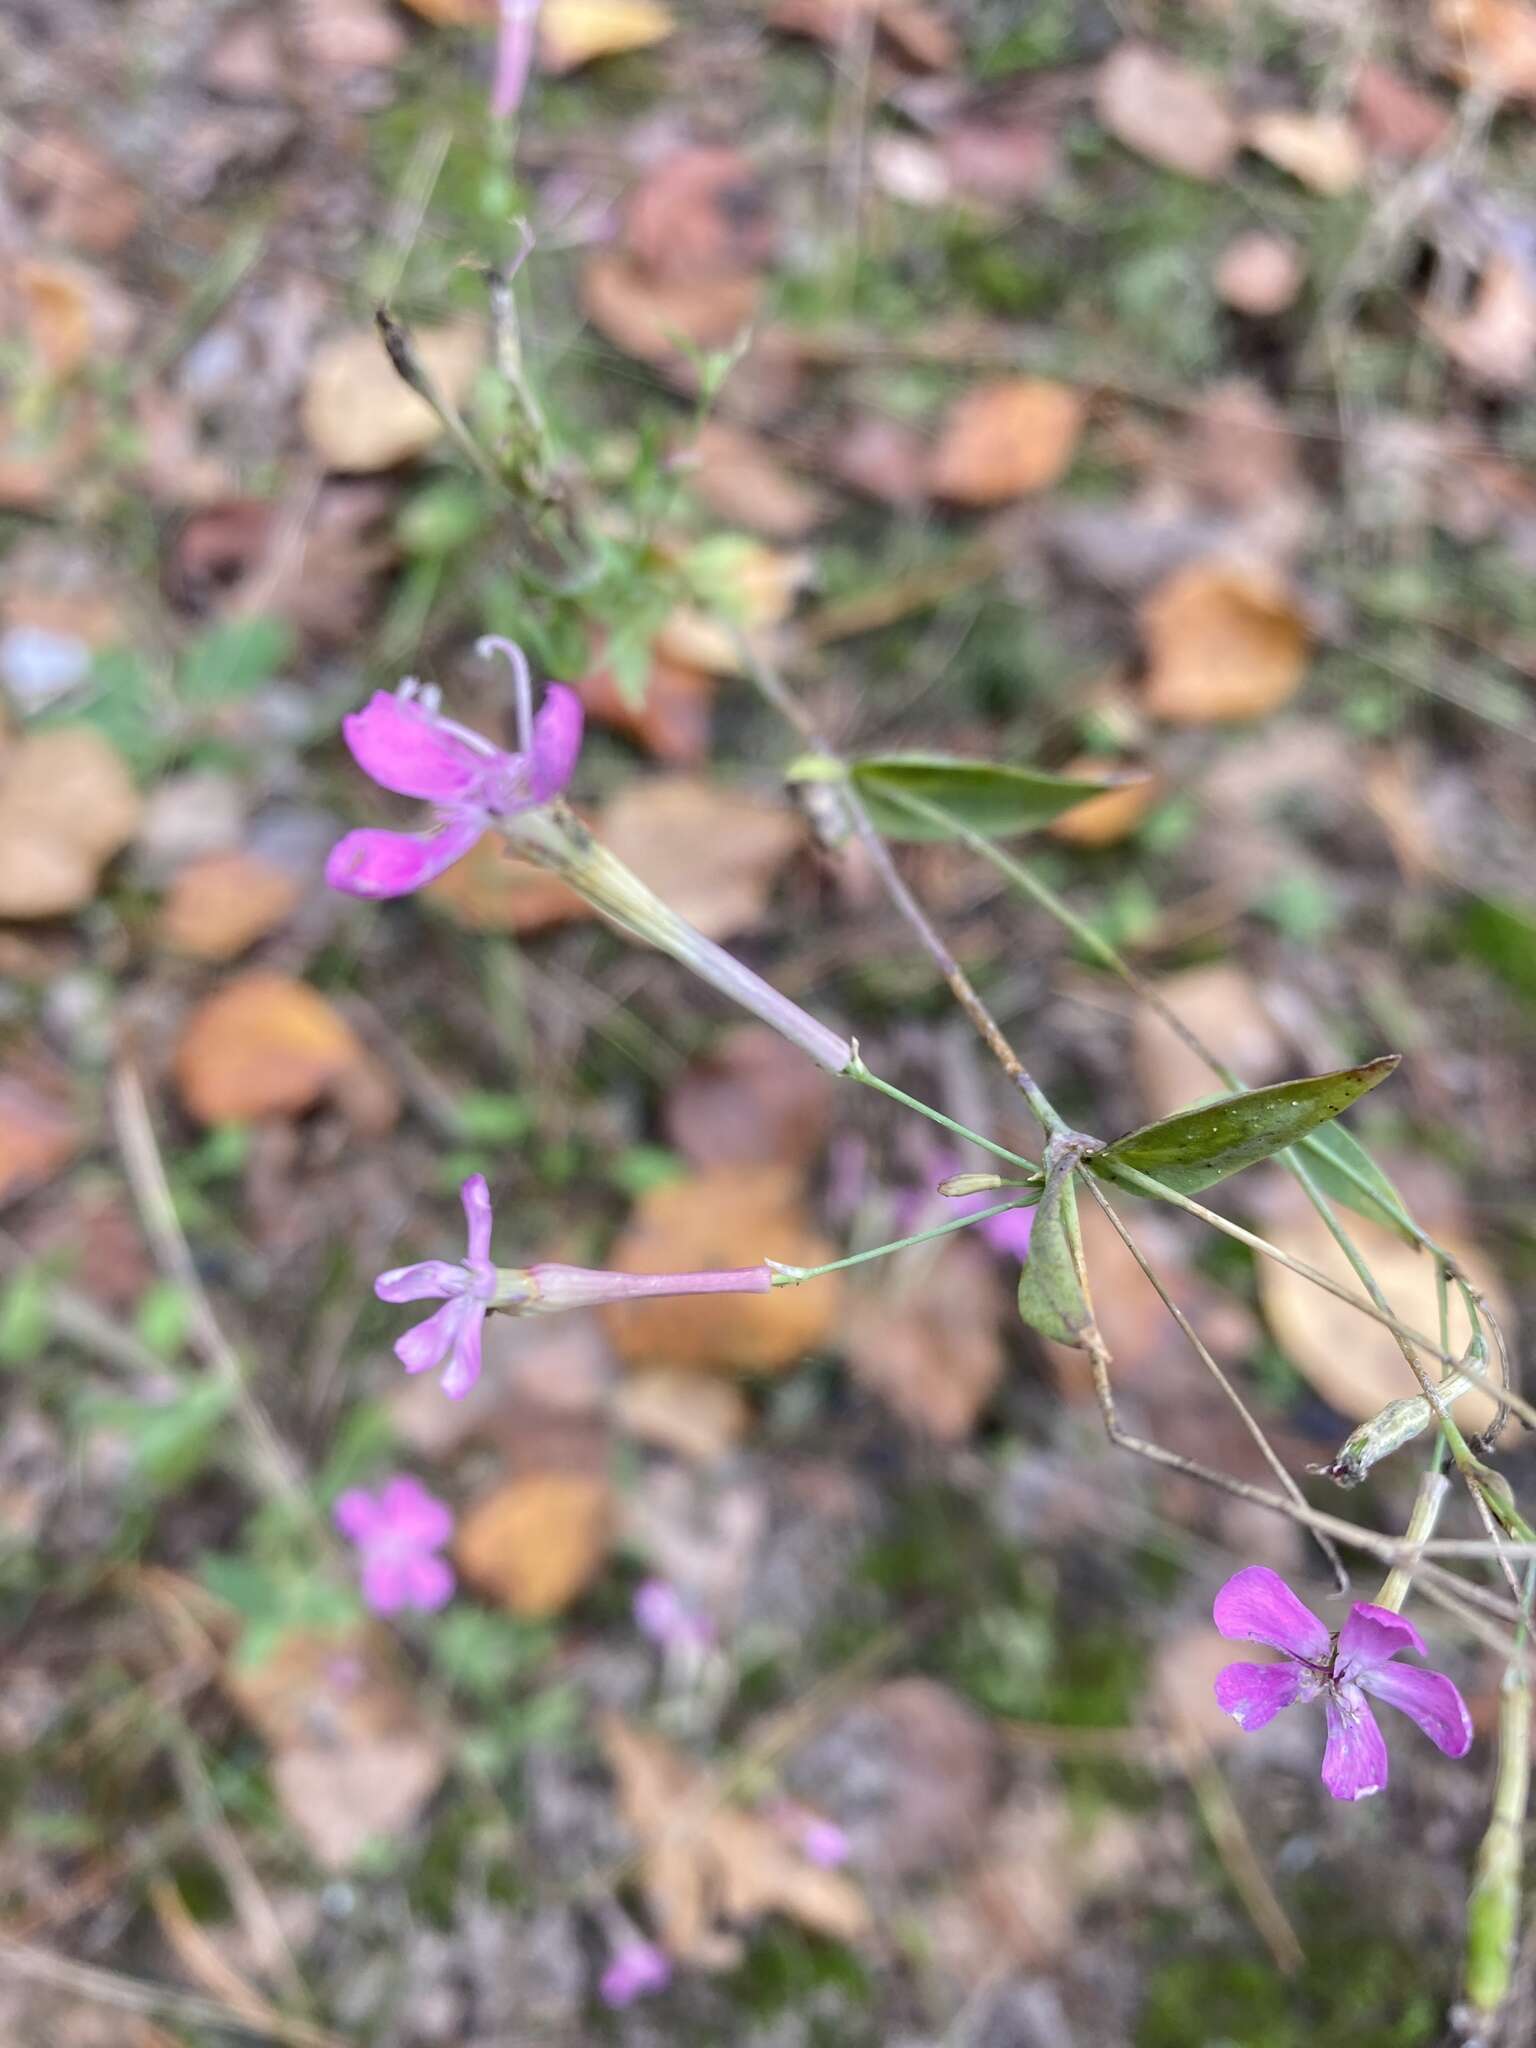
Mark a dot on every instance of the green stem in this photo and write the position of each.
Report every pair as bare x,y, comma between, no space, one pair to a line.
791,1276
857,1071
1433,1488
1493,1907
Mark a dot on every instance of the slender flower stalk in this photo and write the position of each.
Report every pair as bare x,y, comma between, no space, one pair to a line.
517,26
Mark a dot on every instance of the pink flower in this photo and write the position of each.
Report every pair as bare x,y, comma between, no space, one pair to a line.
1258,1606
449,1337
665,1617
397,1533
402,743
637,1969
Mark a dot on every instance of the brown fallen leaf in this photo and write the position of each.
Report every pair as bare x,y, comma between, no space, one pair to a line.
741,479
707,1867
1183,1685
39,1131
359,416
1353,1362
710,853
1166,112
537,1543
916,33
1221,1006
1321,151
71,193
1105,820
455,13
1395,118
1005,439
703,1420
674,718
929,1342
67,805
1224,640
1003,163
751,1100
70,313
262,1044
881,458
1494,340
221,905
1260,274
353,1762
1490,43
489,891
656,321
699,214
727,1218
575,32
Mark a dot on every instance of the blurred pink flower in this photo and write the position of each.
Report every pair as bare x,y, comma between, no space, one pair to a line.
397,1533
637,1969
402,743
517,26
1257,1605
665,1617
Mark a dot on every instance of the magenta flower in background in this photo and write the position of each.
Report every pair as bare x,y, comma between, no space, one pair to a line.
1258,1606
450,1337
665,1618
397,1533
405,746
637,1969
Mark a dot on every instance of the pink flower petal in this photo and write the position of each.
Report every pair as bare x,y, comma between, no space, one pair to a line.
556,742
430,1280
429,1344
386,1583
1355,1757
356,1515
417,1520
399,746
464,1365
379,864
1254,1693
476,1197
1257,1606
1371,1635
1428,1698
429,1582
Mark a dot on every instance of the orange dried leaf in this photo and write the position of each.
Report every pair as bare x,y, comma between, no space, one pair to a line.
262,1045
538,1542
489,891
222,904
742,480
38,1132
574,32
649,318
932,1346
1321,151
360,416
1224,640
1005,439
1105,820
67,805
1494,341
672,719
1259,273
1491,43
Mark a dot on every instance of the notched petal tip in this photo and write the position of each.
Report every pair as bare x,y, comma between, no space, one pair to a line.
1371,1635
398,745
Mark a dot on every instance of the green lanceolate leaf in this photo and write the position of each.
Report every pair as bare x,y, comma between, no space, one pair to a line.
1051,1298
1189,1151
997,801
1347,1173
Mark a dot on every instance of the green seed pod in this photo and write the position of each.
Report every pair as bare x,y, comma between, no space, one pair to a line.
971,1184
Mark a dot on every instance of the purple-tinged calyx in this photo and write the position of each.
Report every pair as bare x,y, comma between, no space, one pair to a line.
402,742
1257,1605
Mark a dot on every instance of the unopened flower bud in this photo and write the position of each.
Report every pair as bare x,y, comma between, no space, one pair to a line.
971,1184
